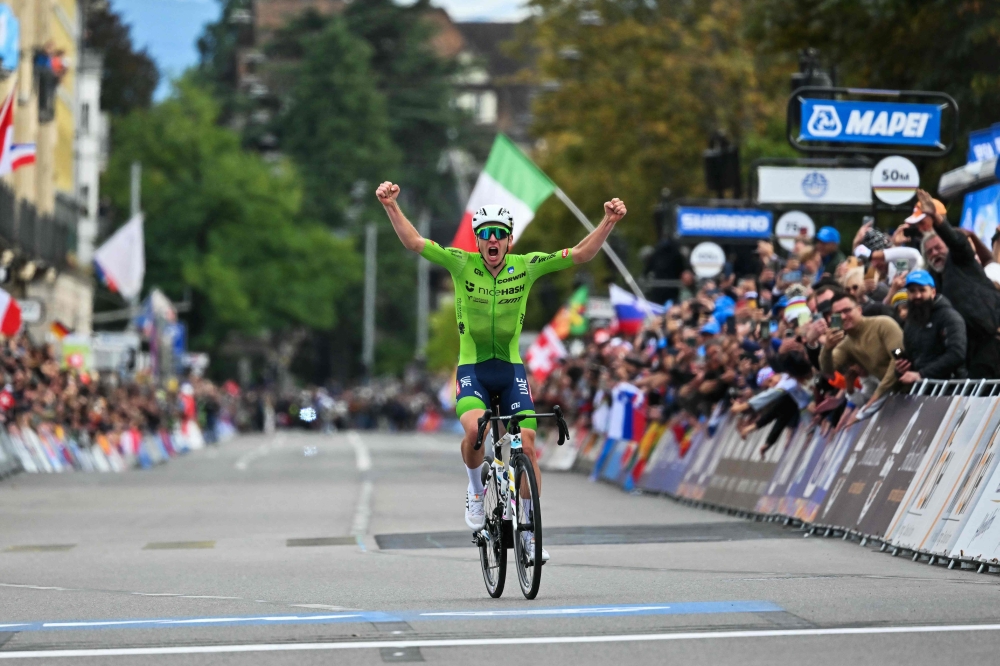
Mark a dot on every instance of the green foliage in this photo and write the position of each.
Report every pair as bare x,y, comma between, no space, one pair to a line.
223,222
632,101
335,126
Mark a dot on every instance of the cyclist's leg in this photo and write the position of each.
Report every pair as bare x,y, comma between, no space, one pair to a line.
516,399
470,404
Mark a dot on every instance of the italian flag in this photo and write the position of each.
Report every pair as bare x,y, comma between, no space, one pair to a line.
509,179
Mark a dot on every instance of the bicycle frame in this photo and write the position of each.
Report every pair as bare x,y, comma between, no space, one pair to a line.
503,471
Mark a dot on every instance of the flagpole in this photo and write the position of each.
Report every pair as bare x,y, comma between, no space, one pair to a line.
562,196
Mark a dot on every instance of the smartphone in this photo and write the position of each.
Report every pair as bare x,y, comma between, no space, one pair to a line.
836,321
764,329
898,354
731,326
902,266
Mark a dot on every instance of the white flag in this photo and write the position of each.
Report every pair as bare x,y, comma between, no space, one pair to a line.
121,261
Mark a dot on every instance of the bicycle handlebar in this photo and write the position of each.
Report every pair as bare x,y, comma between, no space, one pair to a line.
515,421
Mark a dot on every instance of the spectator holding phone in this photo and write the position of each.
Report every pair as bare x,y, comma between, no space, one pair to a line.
959,277
866,341
934,337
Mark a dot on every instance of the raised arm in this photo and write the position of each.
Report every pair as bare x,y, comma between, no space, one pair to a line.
588,248
411,238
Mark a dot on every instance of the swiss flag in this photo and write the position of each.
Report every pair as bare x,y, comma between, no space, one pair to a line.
544,352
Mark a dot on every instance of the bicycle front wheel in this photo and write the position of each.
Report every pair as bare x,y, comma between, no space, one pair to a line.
528,552
492,552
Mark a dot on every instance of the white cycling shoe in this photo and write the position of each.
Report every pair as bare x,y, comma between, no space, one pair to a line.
528,542
475,515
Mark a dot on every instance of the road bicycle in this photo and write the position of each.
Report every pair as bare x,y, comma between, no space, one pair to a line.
506,517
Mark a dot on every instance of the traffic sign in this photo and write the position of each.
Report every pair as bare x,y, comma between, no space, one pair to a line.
895,180
707,259
792,226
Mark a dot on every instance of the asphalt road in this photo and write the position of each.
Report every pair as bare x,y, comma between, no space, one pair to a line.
351,548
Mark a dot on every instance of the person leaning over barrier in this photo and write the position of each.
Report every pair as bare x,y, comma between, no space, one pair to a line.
959,276
934,336
866,341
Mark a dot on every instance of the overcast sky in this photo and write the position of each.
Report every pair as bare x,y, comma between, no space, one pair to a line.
169,28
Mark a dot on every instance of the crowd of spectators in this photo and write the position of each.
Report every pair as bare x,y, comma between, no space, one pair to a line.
816,334
39,390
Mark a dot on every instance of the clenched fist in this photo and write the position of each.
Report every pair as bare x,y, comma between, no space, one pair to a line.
387,193
614,210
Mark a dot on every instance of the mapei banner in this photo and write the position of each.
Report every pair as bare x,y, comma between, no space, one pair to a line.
724,222
893,123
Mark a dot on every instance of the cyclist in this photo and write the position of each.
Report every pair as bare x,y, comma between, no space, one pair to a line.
491,289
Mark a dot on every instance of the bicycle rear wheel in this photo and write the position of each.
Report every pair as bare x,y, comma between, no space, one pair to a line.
492,553
529,519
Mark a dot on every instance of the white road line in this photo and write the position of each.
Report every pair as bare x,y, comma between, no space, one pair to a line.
544,611
38,587
363,509
362,458
246,459
474,642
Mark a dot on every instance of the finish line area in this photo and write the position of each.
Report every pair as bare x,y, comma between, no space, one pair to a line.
208,562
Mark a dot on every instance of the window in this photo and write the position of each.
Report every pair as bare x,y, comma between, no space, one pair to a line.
85,118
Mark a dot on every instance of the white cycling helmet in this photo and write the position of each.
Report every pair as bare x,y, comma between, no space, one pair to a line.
493,214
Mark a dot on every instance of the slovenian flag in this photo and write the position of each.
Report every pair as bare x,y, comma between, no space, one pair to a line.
630,311
628,414
509,179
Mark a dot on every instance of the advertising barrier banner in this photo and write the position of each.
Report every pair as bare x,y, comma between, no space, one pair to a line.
916,513
980,500
940,473
743,473
770,500
880,466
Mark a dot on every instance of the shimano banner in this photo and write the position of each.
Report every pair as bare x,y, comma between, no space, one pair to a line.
871,122
724,222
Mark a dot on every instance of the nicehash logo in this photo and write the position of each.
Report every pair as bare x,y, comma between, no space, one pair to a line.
469,287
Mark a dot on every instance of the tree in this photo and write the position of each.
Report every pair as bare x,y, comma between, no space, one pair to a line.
335,125
130,76
221,221
634,91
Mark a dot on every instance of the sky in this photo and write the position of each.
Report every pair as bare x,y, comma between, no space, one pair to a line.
170,28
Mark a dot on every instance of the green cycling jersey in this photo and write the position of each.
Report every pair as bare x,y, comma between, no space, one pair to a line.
490,310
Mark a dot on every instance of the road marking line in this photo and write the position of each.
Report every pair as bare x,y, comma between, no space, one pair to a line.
38,587
363,509
545,611
246,459
264,619
475,642
178,545
40,548
362,458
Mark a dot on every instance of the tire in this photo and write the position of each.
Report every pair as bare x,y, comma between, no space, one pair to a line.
492,553
528,575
